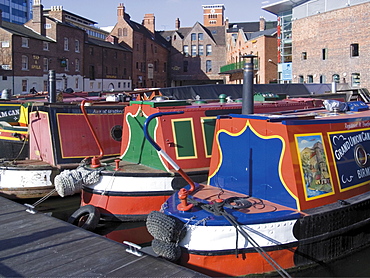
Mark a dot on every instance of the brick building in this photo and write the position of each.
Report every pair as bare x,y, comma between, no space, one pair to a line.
256,38
49,41
323,41
149,49
338,48
198,52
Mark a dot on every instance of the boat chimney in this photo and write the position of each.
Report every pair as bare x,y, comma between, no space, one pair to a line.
334,87
52,87
248,101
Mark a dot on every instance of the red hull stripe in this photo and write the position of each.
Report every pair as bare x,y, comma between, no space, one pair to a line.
237,265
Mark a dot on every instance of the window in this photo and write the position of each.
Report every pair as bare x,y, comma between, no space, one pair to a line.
322,79
193,36
336,78
301,79
66,46
200,36
24,62
124,32
208,66
77,46
77,65
355,79
45,46
120,32
193,50
324,53
25,42
46,64
186,64
309,78
208,49
24,85
355,51
200,49
67,65
186,50
91,50
304,55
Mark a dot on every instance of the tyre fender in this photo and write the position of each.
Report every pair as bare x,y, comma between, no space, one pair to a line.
87,217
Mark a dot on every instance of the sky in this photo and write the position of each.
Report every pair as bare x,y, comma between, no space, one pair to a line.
104,12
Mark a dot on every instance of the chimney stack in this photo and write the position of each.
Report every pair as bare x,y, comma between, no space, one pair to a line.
177,24
38,19
149,22
121,13
262,23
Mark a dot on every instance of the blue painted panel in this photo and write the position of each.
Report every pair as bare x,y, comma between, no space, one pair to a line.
250,165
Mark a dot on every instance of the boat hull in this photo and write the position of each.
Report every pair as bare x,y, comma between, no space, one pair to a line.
24,181
132,196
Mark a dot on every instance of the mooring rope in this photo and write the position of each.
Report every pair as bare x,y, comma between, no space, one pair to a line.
44,198
218,209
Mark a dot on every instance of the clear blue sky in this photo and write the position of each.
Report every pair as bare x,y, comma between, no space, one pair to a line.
166,11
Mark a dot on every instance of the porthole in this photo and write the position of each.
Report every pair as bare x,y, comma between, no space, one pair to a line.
360,156
116,132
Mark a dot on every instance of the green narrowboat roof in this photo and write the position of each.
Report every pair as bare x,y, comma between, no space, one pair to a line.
161,103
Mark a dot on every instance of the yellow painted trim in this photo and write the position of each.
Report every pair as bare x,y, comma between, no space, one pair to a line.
204,135
173,121
248,124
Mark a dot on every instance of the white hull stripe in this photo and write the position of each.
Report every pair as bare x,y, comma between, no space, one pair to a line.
217,238
132,184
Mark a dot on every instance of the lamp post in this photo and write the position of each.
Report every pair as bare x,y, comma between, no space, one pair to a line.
248,101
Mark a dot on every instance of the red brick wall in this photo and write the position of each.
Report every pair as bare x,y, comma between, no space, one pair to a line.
336,31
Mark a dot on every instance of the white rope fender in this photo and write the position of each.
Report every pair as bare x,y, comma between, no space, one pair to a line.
70,182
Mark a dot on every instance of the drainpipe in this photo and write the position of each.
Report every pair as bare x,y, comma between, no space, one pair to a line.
248,101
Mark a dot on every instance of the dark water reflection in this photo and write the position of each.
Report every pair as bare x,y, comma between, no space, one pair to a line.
356,265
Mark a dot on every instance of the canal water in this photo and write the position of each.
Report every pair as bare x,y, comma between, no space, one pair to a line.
356,265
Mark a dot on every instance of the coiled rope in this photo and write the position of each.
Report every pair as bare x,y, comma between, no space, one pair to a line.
70,182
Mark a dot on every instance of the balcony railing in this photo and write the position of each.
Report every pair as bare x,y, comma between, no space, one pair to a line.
230,68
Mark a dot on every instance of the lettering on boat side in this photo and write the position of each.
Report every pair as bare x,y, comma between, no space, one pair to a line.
349,148
9,113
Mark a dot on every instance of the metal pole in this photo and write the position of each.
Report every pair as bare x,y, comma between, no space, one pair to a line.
248,101
52,87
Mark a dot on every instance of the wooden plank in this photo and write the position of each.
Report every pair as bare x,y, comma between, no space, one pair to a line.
40,245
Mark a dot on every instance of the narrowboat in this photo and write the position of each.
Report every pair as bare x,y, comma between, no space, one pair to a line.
283,191
60,136
141,179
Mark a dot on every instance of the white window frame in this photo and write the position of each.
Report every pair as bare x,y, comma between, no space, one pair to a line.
25,42
24,62
66,44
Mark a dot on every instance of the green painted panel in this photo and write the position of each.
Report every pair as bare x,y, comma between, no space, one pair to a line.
184,138
140,150
209,131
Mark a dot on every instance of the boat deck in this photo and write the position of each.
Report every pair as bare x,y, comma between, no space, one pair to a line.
37,245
